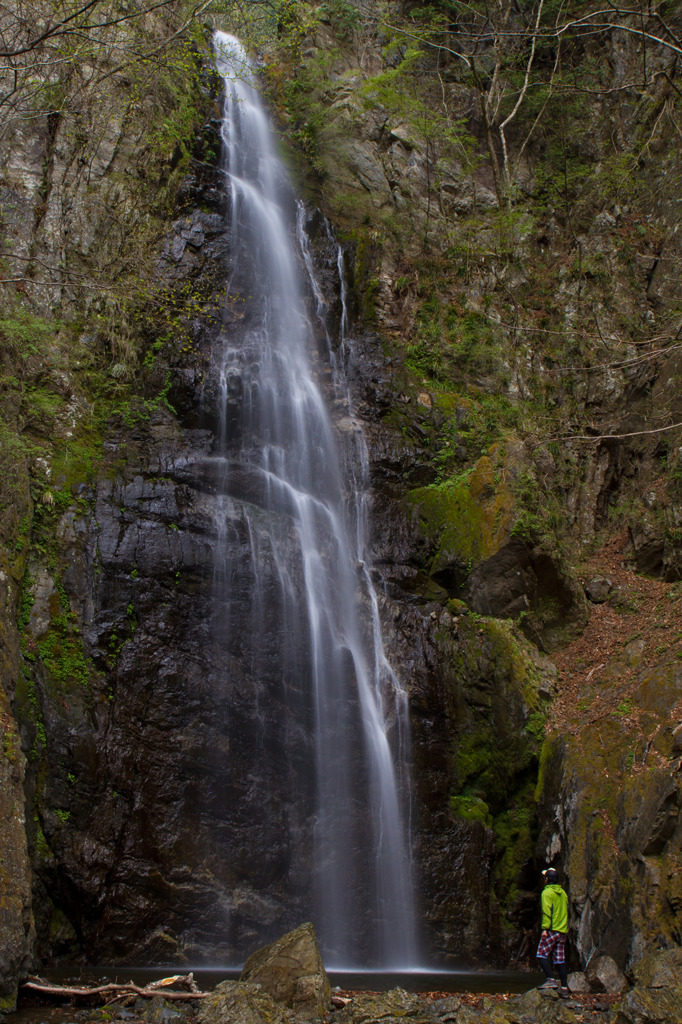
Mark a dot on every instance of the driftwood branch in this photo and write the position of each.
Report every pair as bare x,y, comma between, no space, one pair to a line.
154,989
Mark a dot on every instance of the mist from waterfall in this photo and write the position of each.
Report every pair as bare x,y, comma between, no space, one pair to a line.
316,633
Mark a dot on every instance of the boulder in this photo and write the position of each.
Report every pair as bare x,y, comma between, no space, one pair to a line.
649,1006
577,982
598,589
237,1002
292,972
447,1008
604,975
657,995
661,969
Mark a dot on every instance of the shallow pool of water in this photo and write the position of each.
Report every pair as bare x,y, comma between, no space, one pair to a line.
465,980
422,980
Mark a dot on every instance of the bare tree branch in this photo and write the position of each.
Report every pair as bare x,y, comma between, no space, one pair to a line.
596,438
148,991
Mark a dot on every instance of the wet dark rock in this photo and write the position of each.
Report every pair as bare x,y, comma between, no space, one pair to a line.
522,581
176,735
17,934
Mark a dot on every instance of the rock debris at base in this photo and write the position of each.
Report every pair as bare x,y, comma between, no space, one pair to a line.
655,997
286,983
247,1003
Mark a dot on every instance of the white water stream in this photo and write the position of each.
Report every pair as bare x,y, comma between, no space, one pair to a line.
360,885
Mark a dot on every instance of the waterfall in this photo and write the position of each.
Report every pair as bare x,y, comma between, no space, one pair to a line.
314,632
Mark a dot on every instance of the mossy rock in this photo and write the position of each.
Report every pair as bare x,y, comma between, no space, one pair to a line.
8,1001
610,802
239,1002
531,1006
649,1006
466,519
495,700
659,969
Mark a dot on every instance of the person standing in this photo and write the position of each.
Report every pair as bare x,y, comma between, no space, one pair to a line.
554,903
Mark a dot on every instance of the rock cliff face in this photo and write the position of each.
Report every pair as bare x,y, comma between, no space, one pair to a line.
486,340
16,918
526,376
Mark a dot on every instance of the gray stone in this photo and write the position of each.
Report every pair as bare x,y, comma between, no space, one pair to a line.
363,162
447,1008
292,972
577,982
598,589
604,975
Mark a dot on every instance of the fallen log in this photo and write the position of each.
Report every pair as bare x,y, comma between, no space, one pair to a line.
156,988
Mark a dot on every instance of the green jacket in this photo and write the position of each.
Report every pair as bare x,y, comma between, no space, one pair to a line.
554,903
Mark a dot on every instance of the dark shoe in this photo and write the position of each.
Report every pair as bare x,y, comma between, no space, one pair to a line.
565,993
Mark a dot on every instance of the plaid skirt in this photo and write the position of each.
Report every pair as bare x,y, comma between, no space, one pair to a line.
553,941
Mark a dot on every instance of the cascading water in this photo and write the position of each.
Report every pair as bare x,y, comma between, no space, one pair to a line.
315,638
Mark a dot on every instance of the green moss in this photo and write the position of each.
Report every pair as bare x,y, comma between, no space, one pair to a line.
140,410
467,517
8,1001
11,747
549,752
497,726
497,718
26,603
61,652
29,708
26,335
41,846
312,125
515,837
490,768
536,725
471,808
